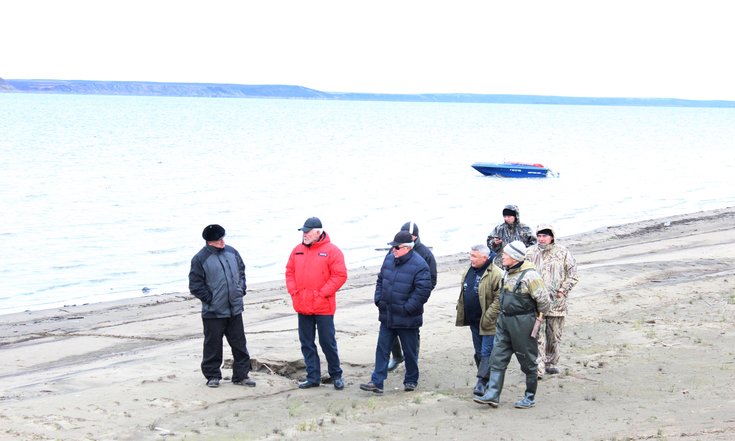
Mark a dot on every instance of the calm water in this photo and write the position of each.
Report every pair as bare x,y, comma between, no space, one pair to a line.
105,196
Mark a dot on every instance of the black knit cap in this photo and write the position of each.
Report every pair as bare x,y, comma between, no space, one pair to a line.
509,212
213,232
546,232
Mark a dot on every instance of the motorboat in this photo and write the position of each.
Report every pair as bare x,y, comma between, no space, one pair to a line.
513,169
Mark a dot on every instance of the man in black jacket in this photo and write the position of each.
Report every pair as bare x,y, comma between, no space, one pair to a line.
217,278
425,252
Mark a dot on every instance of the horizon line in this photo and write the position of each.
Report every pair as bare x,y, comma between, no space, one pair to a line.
390,94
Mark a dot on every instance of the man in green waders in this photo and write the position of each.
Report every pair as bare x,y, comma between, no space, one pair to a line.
523,301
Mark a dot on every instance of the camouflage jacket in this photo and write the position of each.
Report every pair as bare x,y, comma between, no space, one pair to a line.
489,293
531,284
559,271
509,233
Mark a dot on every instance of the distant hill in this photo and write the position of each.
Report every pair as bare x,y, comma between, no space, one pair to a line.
145,88
5,87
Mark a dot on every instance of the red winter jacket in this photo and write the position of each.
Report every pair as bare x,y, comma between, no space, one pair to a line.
313,275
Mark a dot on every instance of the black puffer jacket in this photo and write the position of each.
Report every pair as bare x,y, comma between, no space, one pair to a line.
404,285
428,256
217,278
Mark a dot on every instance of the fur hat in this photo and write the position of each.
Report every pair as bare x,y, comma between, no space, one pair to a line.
516,250
213,232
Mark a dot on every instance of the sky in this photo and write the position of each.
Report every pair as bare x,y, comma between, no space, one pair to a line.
599,48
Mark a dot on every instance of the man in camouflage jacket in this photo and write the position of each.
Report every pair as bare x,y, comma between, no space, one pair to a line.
559,271
511,229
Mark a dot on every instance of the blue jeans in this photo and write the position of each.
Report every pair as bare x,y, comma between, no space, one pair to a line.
409,341
308,327
483,343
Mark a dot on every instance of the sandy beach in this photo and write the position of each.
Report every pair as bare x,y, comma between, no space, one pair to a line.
648,353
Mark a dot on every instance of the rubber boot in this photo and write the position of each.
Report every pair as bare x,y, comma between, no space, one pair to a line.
396,349
494,387
397,355
483,373
529,399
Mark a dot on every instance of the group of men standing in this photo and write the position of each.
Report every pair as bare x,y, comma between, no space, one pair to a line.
525,303
508,292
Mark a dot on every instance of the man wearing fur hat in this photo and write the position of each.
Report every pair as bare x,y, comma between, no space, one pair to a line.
558,269
511,229
523,300
217,278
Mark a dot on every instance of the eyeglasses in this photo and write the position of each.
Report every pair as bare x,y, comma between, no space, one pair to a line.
398,247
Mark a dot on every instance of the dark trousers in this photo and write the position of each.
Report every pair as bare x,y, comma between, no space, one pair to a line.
409,340
231,328
397,351
309,325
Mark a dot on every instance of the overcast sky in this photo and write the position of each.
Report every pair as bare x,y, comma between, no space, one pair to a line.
628,48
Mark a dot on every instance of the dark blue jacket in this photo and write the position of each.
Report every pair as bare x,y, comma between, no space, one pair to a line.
217,278
404,285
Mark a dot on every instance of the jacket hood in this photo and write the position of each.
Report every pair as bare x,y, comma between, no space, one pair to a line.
514,208
549,227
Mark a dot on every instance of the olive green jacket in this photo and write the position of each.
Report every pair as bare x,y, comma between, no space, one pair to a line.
489,293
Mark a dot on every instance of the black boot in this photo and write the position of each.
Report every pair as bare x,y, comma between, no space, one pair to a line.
397,355
529,399
483,373
494,387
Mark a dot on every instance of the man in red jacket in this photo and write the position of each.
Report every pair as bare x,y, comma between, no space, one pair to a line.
314,272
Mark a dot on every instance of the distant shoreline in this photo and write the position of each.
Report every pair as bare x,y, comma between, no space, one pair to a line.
215,90
361,275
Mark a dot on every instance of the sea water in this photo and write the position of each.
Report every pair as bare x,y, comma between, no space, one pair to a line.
105,197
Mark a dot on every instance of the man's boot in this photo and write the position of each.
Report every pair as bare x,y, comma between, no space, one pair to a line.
483,373
494,387
529,400
397,355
